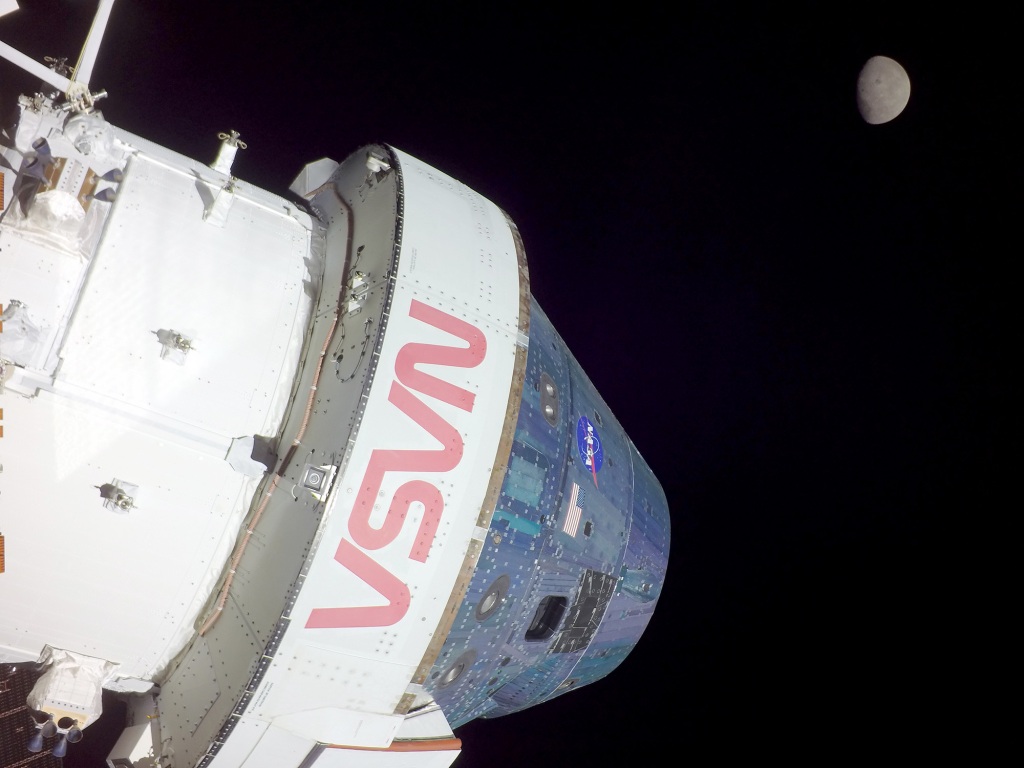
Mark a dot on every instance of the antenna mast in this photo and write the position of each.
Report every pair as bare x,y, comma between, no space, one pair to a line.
77,87
83,70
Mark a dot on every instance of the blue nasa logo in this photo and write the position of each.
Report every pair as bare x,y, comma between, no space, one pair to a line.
589,445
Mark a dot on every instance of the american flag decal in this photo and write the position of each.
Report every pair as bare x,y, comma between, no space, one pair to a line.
575,510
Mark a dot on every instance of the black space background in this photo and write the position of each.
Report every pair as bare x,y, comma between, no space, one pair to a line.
803,321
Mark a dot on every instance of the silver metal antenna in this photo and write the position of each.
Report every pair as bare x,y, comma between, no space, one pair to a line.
77,87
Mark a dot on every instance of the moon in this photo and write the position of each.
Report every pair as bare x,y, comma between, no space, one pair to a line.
883,90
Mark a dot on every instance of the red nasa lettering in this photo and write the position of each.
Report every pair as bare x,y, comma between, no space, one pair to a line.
382,460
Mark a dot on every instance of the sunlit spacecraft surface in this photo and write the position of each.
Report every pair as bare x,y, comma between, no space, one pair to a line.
307,481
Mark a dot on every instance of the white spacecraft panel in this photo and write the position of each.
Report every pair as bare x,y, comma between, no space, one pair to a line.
255,743
235,292
121,411
46,281
161,557
361,659
458,246
346,758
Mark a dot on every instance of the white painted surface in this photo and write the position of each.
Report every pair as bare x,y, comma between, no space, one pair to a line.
459,257
349,758
128,587
103,402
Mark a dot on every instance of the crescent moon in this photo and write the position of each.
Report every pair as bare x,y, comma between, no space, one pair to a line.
883,90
